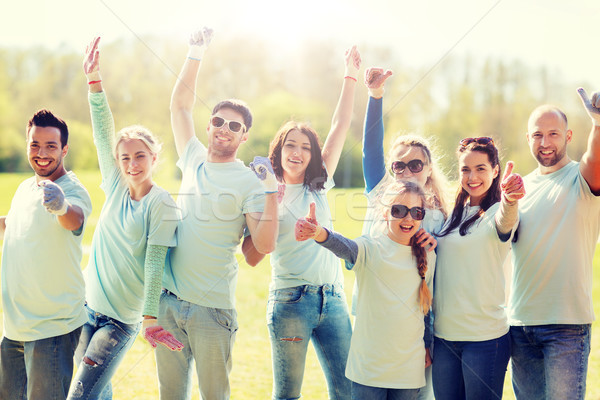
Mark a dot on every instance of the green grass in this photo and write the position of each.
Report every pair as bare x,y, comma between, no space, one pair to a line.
251,377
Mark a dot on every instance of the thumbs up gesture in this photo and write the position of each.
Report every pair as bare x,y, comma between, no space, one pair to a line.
375,78
512,186
308,227
592,106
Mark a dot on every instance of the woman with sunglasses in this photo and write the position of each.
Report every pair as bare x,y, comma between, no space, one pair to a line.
410,158
306,296
136,227
471,340
394,270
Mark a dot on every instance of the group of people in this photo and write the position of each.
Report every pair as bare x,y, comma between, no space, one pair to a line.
429,300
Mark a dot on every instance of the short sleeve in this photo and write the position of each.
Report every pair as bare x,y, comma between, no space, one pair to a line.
164,216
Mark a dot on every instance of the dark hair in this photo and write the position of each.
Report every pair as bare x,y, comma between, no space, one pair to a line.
315,175
45,118
490,198
238,106
392,191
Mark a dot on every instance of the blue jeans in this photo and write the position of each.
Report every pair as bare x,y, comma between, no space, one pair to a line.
550,361
470,370
362,392
37,370
298,315
102,346
208,335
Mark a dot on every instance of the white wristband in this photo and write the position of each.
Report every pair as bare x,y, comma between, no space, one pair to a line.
62,211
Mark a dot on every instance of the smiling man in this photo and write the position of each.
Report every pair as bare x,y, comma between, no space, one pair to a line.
551,300
42,283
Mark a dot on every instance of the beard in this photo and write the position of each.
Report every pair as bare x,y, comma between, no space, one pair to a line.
559,154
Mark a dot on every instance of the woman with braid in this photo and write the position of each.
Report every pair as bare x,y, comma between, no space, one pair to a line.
136,227
387,351
471,341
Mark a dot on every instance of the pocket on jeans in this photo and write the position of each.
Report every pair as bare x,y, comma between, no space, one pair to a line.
288,295
225,317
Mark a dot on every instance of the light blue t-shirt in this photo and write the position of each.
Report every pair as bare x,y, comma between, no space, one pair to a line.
469,296
296,263
213,198
387,348
43,291
552,258
114,276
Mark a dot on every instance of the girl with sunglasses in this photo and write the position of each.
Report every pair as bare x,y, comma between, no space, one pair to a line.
306,296
136,227
471,342
410,158
387,352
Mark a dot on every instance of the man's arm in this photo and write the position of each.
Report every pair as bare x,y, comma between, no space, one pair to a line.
73,219
2,226
251,255
590,161
183,97
264,227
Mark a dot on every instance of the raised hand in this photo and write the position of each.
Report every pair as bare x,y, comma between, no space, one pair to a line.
264,171
91,61
199,42
352,61
54,198
592,106
155,334
425,239
512,186
375,79
307,227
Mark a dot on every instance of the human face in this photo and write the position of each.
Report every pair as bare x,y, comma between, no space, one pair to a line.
547,135
135,162
476,174
223,144
400,230
44,152
407,154
295,156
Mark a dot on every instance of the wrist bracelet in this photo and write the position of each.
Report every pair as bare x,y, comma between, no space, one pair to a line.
92,82
351,77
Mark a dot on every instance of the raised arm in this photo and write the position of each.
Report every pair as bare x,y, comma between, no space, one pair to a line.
103,124
590,161
184,92
373,158
513,190
340,123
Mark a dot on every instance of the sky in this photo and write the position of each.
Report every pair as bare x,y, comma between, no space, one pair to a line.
560,35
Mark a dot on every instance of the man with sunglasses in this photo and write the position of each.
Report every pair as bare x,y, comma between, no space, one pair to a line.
219,197
551,300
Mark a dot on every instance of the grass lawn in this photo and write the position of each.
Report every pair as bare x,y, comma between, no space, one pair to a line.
251,377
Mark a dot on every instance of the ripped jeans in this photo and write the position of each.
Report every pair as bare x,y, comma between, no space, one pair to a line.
306,313
102,346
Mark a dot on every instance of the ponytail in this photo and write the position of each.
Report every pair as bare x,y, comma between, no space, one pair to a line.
420,254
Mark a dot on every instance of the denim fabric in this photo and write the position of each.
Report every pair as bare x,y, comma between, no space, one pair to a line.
426,392
362,392
550,361
208,335
298,315
37,370
470,370
105,342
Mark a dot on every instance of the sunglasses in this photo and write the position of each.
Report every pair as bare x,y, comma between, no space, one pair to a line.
414,166
401,211
484,141
233,126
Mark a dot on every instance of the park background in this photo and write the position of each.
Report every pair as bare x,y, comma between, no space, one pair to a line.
461,68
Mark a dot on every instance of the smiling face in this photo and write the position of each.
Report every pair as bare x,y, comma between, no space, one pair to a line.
547,136
135,162
401,230
44,152
222,143
295,156
408,153
476,174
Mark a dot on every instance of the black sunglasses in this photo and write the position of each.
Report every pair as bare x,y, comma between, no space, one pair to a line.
415,166
484,141
401,211
233,126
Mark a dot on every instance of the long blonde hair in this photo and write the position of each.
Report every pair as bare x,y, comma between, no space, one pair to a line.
436,184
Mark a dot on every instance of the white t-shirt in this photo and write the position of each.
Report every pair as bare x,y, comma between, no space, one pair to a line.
387,348
552,258
469,296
